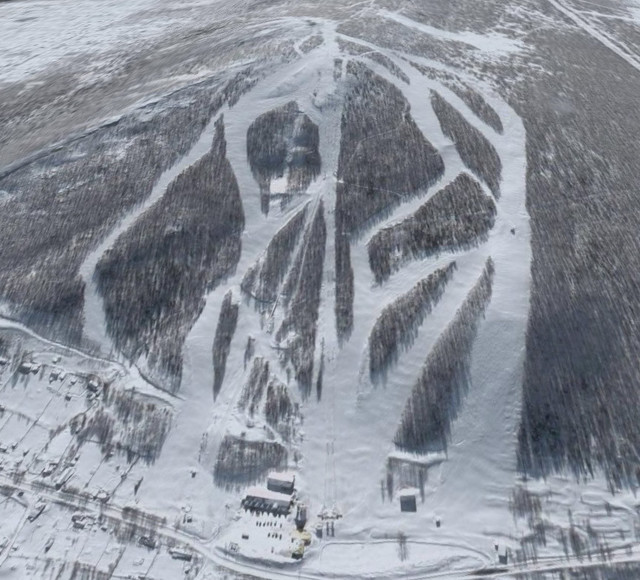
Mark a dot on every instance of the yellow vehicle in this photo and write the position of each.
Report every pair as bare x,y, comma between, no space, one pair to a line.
298,551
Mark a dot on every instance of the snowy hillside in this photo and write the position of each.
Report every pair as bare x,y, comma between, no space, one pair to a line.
338,290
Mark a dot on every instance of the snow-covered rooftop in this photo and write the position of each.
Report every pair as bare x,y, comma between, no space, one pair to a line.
264,493
282,476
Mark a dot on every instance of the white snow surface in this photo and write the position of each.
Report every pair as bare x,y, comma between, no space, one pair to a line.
35,35
347,436
490,42
354,419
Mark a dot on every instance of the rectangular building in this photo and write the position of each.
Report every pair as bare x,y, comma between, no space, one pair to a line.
264,500
281,482
408,500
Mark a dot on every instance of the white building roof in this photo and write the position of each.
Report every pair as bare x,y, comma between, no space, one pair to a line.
408,492
267,494
282,476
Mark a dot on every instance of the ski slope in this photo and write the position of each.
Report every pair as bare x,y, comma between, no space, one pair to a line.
343,440
355,417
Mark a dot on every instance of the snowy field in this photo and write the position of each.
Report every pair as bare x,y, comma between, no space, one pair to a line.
40,34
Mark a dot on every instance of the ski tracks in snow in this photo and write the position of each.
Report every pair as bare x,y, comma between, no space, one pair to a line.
614,45
350,405
486,426
301,82
95,325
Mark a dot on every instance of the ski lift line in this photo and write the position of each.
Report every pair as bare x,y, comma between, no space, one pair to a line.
329,466
333,440
325,499
335,480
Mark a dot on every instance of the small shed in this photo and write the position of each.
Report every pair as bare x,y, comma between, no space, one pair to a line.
27,367
281,482
94,383
181,555
408,500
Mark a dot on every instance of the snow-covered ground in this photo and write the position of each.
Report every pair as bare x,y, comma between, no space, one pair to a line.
346,438
39,34
356,418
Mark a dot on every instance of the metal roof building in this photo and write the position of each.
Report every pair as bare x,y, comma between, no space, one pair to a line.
281,482
265,500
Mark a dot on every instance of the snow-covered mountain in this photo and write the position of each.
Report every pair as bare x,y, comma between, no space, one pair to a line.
385,249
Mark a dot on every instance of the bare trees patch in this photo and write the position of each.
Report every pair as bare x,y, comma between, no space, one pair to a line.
311,43
242,462
344,285
438,394
125,423
253,390
58,206
283,143
383,154
279,408
397,326
262,281
478,105
582,380
391,66
456,217
222,341
475,150
155,277
299,327
383,158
